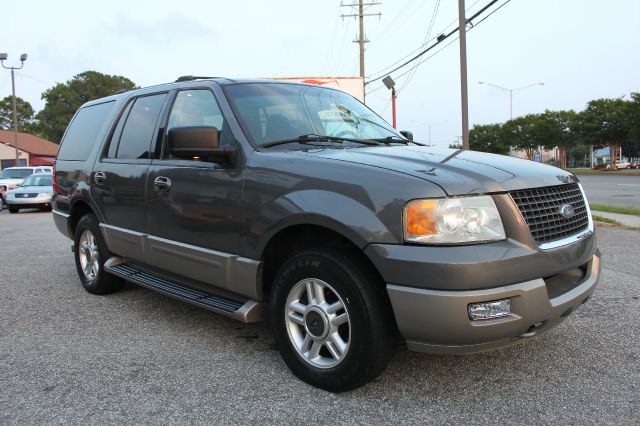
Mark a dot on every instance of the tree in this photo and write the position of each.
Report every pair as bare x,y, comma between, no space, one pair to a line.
529,133
559,127
606,122
25,113
63,99
488,138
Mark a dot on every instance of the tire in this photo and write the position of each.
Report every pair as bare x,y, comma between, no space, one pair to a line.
90,254
13,209
367,335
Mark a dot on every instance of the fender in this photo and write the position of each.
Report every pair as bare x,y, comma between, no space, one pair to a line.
346,216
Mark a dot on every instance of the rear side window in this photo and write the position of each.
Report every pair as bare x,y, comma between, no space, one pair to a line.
135,141
82,133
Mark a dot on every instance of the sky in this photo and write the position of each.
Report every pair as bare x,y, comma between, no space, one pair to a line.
579,49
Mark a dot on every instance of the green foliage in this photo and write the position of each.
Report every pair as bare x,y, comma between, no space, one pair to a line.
25,113
529,133
605,121
488,138
63,99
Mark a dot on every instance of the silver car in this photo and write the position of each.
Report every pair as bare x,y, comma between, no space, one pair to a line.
35,192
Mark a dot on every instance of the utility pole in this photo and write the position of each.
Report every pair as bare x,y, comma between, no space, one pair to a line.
462,23
23,57
361,40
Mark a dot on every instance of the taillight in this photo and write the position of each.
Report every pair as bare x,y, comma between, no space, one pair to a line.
55,184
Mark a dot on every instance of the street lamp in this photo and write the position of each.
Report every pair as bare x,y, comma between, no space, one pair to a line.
511,92
429,126
23,57
391,85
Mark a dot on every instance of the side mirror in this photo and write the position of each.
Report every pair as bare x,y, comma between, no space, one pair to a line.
197,143
407,134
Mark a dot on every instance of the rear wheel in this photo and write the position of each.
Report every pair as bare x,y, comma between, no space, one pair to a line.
331,320
90,254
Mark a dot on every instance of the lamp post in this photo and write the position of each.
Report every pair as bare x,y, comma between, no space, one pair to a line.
391,85
429,125
511,92
23,57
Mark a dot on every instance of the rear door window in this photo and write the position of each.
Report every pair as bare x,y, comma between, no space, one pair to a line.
137,133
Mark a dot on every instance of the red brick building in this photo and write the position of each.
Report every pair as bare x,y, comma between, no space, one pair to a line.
33,151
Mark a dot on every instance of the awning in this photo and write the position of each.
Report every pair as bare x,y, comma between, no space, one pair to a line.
41,161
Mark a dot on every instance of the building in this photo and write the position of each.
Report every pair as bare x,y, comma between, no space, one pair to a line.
32,150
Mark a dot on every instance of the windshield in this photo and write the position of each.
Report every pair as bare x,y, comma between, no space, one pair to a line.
15,173
38,180
272,112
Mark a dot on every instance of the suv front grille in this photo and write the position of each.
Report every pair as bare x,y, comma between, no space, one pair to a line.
540,208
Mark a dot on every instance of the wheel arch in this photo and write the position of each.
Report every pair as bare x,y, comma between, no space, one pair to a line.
299,237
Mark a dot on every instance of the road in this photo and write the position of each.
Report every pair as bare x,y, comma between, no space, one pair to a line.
137,357
617,190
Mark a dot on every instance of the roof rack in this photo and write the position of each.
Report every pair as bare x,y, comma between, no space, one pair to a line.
190,78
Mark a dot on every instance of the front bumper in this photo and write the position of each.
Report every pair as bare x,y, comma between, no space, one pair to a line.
437,321
30,202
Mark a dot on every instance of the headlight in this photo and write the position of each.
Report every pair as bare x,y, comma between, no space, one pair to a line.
452,221
45,194
10,196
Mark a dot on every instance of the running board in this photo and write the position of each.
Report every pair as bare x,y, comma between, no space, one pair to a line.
248,311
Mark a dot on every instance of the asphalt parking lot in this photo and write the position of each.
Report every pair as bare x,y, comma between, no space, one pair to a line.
139,357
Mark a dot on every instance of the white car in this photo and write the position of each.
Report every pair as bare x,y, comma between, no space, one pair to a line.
12,177
35,192
620,165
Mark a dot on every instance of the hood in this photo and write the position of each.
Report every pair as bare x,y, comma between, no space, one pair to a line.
457,172
11,181
31,189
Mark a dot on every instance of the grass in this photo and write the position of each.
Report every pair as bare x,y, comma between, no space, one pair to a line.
633,211
597,218
632,172
605,220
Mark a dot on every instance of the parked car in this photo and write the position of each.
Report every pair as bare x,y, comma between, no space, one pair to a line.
36,191
12,177
620,165
634,166
297,204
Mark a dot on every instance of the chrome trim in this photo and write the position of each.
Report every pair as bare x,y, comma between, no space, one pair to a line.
64,215
574,238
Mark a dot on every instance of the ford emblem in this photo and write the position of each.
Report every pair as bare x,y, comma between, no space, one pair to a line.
567,211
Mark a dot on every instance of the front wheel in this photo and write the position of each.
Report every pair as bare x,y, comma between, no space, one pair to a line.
332,320
13,209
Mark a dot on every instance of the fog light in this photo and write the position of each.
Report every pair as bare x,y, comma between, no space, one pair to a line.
489,310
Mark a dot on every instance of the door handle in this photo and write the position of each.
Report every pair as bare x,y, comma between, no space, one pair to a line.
99,177
162,183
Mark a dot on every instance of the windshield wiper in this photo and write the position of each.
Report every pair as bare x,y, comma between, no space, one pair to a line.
398,139
303,139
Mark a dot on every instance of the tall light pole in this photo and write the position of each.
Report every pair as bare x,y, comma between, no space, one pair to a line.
429,125
462,24
511,92
23,57
391,85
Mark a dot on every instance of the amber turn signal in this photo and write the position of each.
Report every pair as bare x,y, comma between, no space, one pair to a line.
420,217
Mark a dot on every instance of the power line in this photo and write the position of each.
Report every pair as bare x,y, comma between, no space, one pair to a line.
440,40
424,43
361,5
413,52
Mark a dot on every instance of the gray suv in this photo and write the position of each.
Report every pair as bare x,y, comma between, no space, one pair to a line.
297,204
